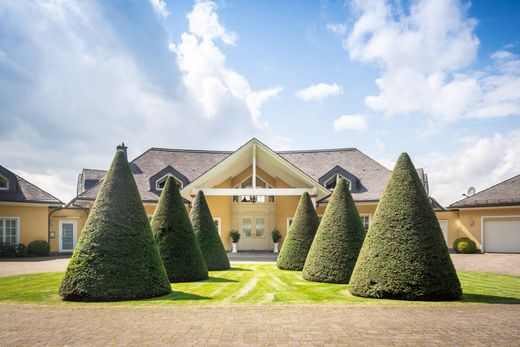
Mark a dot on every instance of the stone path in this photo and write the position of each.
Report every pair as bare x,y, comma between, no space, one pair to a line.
508,264
316,325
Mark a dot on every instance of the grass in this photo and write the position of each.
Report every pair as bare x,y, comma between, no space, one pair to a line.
257,284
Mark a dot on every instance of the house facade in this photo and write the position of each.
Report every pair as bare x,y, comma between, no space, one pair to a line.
24,209
255,189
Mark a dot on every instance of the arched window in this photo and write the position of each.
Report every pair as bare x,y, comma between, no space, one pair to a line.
330,184
159,184
4,183
248,184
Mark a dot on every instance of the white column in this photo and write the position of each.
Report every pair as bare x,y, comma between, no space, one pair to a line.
313,202
254,166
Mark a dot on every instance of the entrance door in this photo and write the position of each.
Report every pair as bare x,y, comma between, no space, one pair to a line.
67,236
253,230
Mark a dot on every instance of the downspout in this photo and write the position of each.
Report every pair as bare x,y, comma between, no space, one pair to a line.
49,223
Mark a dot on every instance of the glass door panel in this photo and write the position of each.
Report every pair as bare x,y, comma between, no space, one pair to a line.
67,236
259,227
247,227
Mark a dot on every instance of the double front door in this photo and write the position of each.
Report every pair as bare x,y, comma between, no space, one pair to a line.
254,233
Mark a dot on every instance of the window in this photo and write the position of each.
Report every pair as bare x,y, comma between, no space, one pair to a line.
4,183
330,184
159,184
289,222
9,230
248,184
218,224
365,218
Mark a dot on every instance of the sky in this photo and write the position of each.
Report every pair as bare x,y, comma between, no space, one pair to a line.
439,79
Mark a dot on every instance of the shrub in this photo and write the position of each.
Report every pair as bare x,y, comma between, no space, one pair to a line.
207,235
12,250
464,245
39,248
404,255
299,236
276,235
235,236
116,257
338,240
179,249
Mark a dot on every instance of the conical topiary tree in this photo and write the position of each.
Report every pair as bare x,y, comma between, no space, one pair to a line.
179,249
116,257
207,235
404,255
299,236
338,240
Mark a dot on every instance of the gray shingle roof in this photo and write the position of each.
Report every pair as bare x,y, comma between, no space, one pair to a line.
371,175
506,193
26,192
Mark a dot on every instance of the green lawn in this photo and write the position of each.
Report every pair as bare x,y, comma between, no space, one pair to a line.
257,284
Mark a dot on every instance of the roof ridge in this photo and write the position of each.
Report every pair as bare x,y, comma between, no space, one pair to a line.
188,150
488,188
341,149
101,170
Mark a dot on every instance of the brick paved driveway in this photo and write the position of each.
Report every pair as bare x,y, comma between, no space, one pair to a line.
320,325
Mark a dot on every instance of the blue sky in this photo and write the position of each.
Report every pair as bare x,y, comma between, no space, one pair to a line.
438,79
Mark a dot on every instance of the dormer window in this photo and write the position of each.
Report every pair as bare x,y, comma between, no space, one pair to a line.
4,183
159,184
330,184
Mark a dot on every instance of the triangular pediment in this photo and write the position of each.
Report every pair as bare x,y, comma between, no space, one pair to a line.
255,153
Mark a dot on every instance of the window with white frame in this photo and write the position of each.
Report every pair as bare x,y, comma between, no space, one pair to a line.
248,184
365,218
289,222
218,224
159,184
9,230
330,184
4,183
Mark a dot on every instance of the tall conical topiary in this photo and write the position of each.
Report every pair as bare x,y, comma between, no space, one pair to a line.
404,255
299,236
207,235
338,240
116,257
179,249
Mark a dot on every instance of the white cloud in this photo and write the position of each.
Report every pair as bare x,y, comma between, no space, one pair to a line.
350,122
318,92
425,56
337,28
481,162
159,7
214,85
204,23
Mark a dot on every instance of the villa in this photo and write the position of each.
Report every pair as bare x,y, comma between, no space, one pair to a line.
254,190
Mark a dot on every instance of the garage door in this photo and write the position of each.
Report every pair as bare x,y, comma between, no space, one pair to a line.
502,235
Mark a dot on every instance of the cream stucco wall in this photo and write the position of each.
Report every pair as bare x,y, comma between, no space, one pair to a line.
33,221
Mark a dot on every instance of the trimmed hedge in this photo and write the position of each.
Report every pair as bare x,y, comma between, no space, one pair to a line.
464,245
12,250
207,235
299,236
338,240
39,248
116,257
173,233
404,255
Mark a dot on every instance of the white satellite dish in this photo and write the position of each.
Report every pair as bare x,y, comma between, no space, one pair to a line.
471,191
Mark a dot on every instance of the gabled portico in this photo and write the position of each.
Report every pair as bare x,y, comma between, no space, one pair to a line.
254,190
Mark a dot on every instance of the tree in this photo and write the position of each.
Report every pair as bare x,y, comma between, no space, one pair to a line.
179,249
207,235
299,236
338,240
116,257
404,255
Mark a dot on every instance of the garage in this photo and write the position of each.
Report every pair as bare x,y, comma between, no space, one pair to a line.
501,235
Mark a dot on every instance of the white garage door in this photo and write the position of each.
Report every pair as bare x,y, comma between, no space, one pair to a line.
502,235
